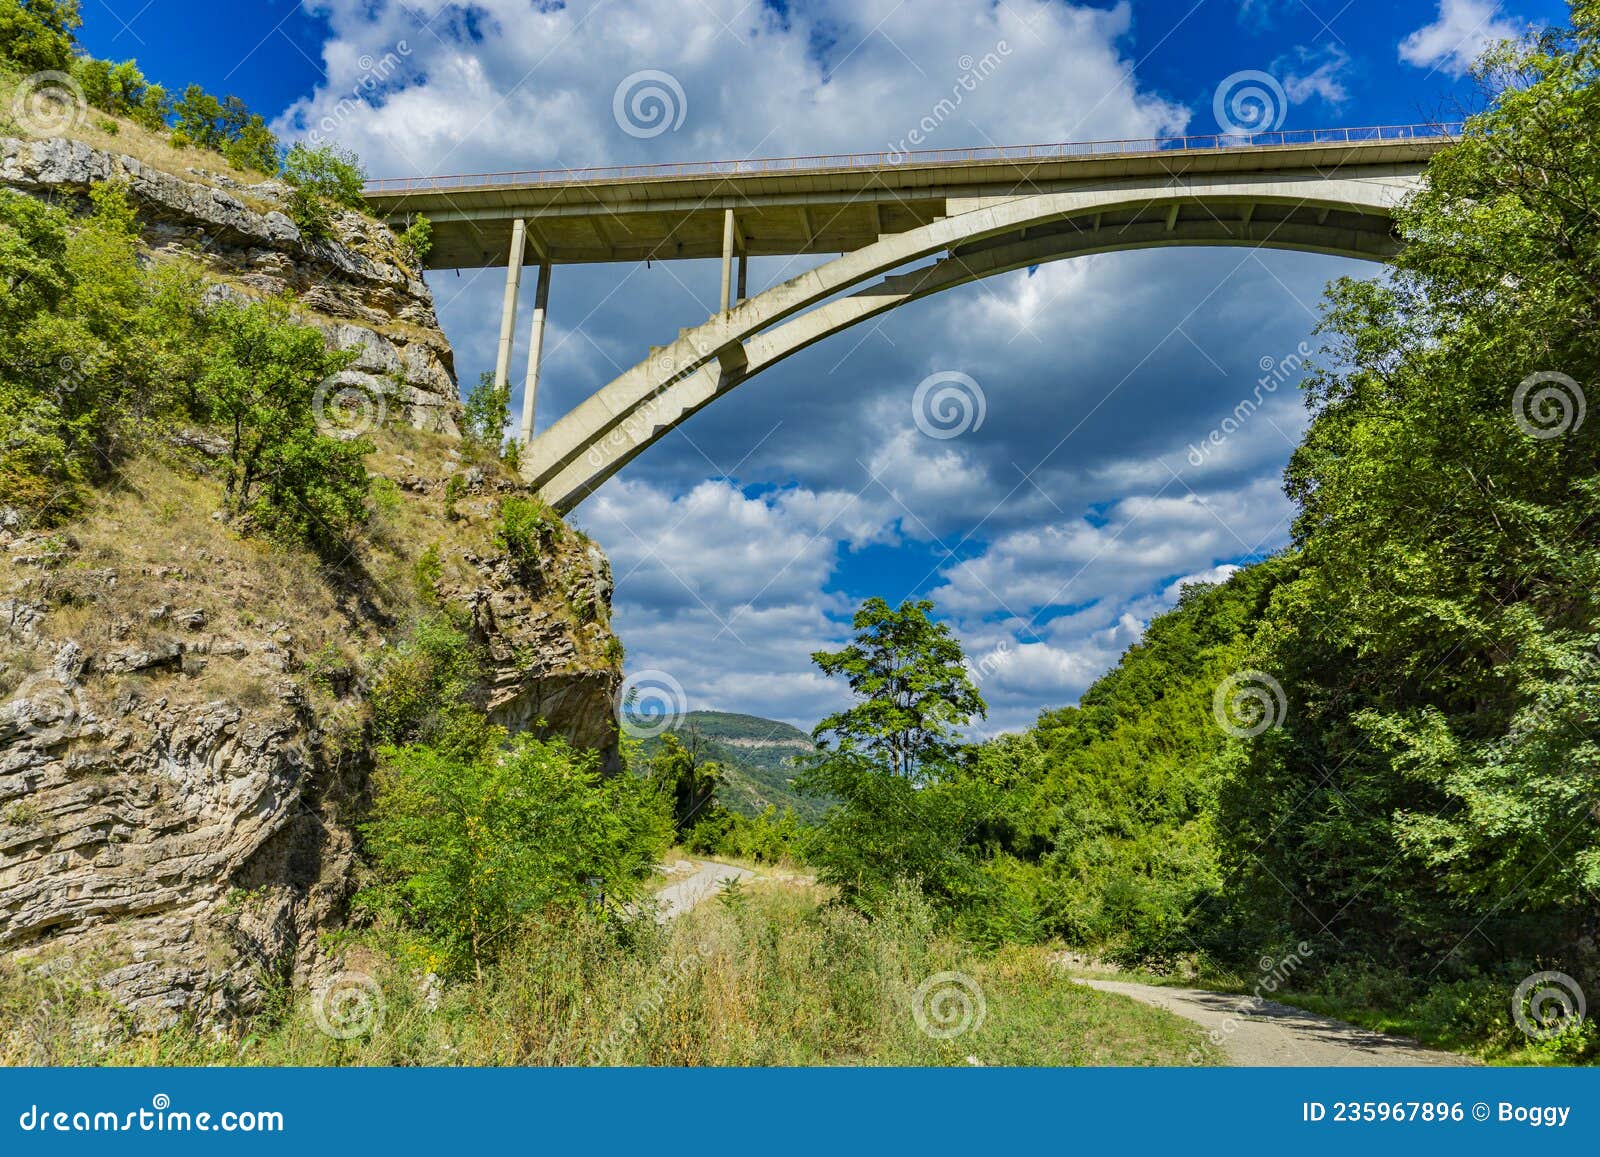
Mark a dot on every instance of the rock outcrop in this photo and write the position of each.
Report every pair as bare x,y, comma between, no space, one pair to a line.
184,736
357,285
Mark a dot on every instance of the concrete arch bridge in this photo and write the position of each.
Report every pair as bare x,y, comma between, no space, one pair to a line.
974,213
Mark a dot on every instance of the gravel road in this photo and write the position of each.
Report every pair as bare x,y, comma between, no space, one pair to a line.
1252,1032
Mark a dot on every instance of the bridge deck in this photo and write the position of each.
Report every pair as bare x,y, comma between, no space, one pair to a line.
826,204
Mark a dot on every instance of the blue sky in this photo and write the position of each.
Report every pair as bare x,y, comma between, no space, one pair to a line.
1048,535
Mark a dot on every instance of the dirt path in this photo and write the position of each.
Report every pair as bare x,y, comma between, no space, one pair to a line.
1252,1032
707,880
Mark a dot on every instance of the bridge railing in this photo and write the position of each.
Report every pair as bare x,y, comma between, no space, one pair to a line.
901,158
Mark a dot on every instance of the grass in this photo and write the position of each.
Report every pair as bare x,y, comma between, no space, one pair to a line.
771,974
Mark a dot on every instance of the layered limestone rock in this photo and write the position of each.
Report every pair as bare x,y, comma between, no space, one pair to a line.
185,741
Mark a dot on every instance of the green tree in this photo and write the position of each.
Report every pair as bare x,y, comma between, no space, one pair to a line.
688,782
417,239
38,35
1433,790
81,337
486,414
198,116
247,142
913,693
903,812
260,385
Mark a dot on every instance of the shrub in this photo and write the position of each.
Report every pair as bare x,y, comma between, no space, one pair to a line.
421,692
472,847
524,523
328,172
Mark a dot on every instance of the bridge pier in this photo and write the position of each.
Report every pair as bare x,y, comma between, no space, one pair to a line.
508,304
725,298
530,383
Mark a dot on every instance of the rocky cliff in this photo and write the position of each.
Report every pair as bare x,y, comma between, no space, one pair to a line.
185,713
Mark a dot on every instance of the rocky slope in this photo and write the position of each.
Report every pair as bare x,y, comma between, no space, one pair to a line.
184,713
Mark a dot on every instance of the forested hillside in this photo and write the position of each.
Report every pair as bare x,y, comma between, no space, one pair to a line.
759,759
1379,748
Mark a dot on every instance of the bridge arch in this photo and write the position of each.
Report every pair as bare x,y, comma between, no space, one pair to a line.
1348,216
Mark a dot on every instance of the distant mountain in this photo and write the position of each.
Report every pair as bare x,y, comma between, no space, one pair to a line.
759,755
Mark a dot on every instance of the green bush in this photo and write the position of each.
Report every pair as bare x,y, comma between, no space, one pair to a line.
472,847
422,688
328,172
525,522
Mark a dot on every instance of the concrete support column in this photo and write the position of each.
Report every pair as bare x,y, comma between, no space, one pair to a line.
508,307
744,268
725,301
530,384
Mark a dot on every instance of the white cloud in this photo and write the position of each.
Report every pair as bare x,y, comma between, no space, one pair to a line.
517,84
1462,29
1323,81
